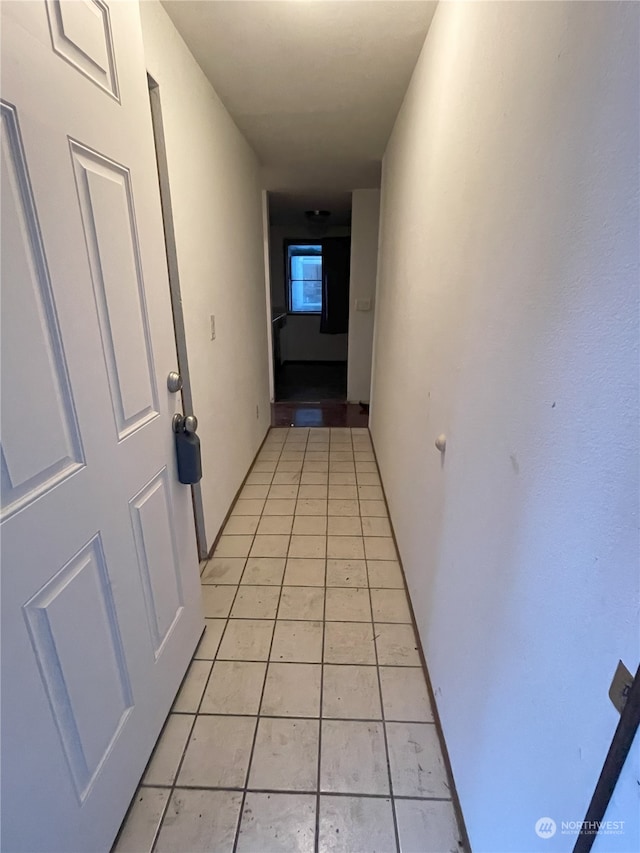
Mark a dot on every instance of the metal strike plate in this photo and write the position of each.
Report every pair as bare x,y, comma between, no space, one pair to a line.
620,687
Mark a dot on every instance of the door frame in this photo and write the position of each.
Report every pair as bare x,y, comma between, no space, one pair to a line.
174,289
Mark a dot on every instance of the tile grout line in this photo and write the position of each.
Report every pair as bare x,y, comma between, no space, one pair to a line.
264,681
320,709
384,724
204,691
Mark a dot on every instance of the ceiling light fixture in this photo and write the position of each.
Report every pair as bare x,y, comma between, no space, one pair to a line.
317,221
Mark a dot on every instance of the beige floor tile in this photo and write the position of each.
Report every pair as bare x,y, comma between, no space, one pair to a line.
139,831
289,455
270,546
242,525
345,547
253,491
224,570
286,755
163,766
299,642
351,692
380,548
314,478
278,823
246,639
256,602
279,506
218,752
428,826
377,509
311,506
308,546
208,645
353,760
372,526
348,605
217,600
348,525
316,455
304,572
268,453
337,478
188,698
366,467
349,643
342,467
390,605
385,574
283,492
396,645
368,479
264,466
271,525
200,822
234,687
370,493
404,694
301,602
249,507
233,546
310,525
264,571
308,492
417,768
316,466
343,507
364,456
357,825
343,492
346,573
292,690
290,464
286,478
260,478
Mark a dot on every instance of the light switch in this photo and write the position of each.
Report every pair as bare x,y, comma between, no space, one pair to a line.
363,305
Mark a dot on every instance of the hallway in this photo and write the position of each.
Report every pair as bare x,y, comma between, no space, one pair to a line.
305,706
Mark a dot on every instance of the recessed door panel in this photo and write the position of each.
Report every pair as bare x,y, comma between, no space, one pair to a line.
81,34
76,640
40,437
106,204
157,557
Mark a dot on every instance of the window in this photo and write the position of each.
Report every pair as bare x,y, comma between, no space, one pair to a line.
304,278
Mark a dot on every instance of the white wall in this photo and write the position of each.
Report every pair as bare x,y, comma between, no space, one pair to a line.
217,211
507,318
365,218
301,339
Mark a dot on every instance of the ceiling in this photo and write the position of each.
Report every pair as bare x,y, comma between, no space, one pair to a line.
314,85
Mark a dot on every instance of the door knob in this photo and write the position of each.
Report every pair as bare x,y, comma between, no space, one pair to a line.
174,382
184,423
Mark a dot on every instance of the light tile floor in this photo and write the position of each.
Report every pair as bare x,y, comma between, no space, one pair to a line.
303,723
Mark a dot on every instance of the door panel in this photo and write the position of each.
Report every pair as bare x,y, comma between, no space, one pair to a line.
106,204
100,601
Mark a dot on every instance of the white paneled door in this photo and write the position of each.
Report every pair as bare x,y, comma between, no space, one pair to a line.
99,572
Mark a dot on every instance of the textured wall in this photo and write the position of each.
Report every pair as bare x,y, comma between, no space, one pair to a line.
217,210
507,318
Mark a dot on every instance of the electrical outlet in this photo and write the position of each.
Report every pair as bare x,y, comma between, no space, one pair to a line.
212,320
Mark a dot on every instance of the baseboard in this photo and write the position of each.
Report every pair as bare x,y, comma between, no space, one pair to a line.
432,698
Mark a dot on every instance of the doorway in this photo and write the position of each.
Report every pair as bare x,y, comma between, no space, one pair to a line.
309,241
